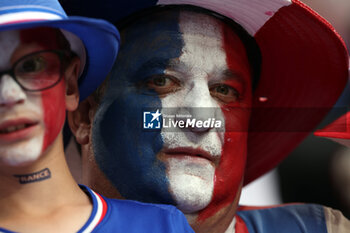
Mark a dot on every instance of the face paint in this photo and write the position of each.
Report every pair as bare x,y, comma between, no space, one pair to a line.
191,178
182,167
229,174
123,151
53,99
29,121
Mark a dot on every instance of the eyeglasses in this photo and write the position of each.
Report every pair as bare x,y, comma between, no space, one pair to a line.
39,71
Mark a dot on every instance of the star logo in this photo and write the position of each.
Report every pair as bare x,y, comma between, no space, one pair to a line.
152,120
156,115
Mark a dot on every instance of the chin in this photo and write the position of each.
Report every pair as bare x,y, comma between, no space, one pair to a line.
191,186
21,154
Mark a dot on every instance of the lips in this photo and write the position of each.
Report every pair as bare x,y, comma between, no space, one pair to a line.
13,128
16,129
188,151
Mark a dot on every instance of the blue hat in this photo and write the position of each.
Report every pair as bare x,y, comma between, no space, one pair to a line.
95,41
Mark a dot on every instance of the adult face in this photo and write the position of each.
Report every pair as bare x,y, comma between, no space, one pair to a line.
185,61
29,121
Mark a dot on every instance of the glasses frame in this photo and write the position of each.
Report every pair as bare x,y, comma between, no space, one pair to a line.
62,54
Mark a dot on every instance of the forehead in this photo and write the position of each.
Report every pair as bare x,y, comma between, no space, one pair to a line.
25,40
203,45
46,37
170,26
163,37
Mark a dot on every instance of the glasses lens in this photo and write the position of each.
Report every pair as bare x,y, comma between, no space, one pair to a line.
38,71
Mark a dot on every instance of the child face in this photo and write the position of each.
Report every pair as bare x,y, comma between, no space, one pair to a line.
29,121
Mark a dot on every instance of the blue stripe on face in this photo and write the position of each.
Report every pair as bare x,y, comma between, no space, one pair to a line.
125,152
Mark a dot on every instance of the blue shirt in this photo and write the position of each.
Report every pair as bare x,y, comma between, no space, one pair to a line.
296,218
124,216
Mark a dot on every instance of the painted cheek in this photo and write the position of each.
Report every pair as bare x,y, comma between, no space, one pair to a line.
54,109
53,99
230,173
125,152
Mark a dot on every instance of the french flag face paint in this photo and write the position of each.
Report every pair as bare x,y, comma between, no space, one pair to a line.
187,62
29,121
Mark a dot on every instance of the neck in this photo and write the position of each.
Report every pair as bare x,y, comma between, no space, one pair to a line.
222,221
231,227
40,187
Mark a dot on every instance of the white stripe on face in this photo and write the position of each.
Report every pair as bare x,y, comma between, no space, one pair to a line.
192,182
10,91
9,40
252,15
15,104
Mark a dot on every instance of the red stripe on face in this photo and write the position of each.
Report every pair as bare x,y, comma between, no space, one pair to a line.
54,108
44,36
53,99
230,172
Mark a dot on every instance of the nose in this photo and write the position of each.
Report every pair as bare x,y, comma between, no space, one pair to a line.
200,105
10,92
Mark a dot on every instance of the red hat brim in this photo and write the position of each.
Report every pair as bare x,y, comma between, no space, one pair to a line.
338,130
304,70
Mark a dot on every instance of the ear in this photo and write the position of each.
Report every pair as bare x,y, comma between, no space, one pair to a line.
72,89
80,120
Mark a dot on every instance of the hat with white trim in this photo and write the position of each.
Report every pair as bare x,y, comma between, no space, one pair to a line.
303,72
95,41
